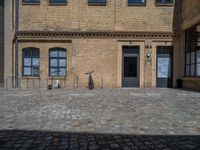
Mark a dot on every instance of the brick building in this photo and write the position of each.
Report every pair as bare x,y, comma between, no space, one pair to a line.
127,43
190,38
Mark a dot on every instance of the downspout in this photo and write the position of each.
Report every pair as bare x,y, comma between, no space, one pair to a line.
16,44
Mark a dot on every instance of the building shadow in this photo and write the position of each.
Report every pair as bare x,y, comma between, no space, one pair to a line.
1,43
50,140
189,90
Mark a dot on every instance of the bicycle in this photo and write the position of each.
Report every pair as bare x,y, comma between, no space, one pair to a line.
90,80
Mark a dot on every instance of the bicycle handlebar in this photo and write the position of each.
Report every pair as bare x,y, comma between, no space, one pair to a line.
89,72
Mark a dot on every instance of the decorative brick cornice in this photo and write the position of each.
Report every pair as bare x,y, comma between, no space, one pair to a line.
66,35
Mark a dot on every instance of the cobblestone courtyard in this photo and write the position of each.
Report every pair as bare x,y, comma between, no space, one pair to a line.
112,119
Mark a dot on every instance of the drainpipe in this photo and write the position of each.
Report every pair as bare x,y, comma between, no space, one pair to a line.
16,43
16,65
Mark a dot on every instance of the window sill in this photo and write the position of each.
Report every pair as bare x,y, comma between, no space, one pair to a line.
191,78
59,78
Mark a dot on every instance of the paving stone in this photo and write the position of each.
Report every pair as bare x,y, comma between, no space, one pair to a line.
107,119
93,147
113,146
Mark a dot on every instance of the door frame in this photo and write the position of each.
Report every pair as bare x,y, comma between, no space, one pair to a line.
138,64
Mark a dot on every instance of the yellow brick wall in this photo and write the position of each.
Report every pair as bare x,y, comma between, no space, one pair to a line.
103,56
147,18
78,16
96,55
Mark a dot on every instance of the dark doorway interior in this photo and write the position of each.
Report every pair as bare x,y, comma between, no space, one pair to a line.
1,42
164,66
130,66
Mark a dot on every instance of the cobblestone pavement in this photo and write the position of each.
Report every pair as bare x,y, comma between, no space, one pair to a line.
32,116
40,140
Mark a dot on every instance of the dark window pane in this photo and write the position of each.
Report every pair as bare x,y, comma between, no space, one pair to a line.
58,1
27,53
31,1
35,53
97,2
136,1
164,1
130,67
192,52
187,70
1,3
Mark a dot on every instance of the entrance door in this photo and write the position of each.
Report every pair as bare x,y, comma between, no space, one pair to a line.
165,66
130,73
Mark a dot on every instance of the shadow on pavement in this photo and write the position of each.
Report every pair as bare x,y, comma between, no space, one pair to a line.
24,139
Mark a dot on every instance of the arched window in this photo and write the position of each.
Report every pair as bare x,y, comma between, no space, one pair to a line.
31,61
57,62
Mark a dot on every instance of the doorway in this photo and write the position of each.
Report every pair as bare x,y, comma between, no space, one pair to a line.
130,66
164,66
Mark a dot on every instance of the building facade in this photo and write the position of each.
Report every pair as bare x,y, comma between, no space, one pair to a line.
190,26
126,43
